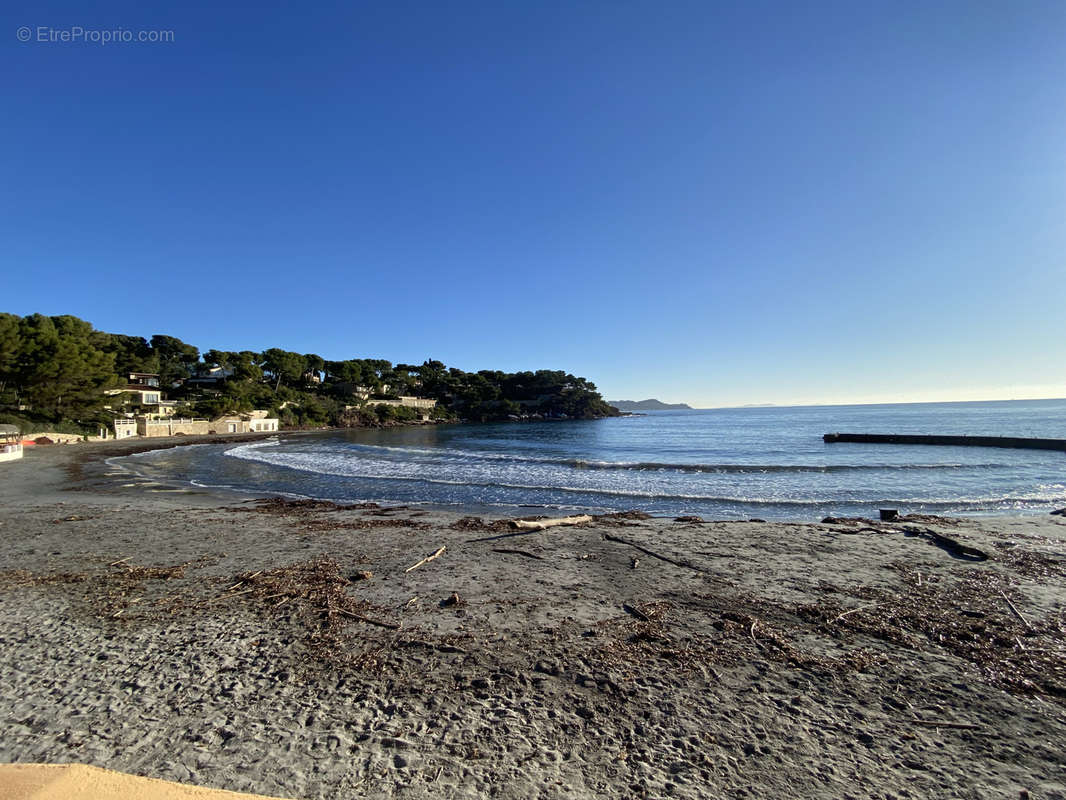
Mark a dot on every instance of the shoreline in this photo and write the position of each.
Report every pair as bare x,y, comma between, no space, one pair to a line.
165,443
307,651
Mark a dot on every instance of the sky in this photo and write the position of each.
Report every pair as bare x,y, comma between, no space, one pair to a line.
711,203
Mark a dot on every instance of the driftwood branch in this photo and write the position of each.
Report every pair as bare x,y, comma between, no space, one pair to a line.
541,524
636,612
243,581
751,633
853,611
426,560
227,596
953,548
441,647
517,553
688,565
392,626
498,536
1016,612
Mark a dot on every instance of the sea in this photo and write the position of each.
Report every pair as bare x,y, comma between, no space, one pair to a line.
730,463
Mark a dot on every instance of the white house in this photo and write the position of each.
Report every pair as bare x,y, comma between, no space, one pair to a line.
10,444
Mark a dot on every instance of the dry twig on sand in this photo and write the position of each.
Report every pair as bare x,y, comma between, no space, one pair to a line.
427,559
839,617
1015,611
751,633
688,565
392,626
517,553
636,612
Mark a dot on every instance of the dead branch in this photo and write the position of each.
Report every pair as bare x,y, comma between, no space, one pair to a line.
853,611
751,633
426,560
612,538
392,626
517,553
1015,611
636,612
541,524
222,597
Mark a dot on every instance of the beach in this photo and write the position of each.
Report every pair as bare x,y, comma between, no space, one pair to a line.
309,650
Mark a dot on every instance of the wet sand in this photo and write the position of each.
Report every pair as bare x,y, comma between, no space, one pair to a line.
287,649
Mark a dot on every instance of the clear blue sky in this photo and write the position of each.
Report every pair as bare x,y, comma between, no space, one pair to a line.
712,203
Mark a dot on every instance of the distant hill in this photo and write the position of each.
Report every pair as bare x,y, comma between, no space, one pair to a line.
646,405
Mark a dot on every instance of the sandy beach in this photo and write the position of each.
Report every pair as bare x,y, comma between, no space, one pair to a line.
295,649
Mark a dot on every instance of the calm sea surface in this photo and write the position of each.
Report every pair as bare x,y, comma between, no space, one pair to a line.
724,463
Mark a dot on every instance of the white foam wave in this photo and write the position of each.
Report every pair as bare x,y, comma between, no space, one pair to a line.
413,472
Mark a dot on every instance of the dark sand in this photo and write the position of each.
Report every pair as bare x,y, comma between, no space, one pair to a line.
239,646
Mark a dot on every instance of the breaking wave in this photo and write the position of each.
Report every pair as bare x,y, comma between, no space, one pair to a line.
728,464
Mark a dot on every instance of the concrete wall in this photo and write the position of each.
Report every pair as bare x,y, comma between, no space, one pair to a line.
172,427
409,402
143,426
125,428
199,427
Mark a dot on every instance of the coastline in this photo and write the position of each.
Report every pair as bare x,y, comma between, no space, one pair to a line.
628,657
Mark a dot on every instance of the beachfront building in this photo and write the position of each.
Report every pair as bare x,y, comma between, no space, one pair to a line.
408,402
10,443
423,404
252,422
209,377
144,394
142,390
151,427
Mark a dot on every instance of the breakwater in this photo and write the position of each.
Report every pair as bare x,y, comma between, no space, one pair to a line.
953,441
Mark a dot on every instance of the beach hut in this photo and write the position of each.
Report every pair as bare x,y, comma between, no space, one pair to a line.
10,444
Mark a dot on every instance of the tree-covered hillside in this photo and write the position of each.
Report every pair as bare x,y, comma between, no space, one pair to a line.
58,370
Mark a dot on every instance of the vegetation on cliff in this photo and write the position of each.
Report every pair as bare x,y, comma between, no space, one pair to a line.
57,371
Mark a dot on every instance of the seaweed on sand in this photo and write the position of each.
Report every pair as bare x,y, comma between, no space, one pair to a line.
284,507
315,592
973,618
